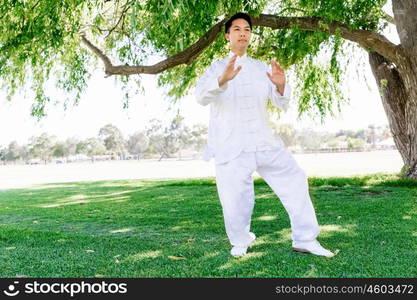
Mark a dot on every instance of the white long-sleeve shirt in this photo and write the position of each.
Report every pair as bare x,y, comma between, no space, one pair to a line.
238,115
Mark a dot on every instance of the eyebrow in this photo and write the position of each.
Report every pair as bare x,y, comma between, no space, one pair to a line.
234,26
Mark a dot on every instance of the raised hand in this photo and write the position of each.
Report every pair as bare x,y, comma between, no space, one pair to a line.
278,75
229,72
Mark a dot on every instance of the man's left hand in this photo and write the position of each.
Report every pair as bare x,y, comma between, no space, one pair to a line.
278,75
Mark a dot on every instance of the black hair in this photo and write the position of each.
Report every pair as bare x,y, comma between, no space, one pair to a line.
239,15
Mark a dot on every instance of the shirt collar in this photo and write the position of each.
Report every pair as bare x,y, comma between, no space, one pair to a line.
244,56
239,59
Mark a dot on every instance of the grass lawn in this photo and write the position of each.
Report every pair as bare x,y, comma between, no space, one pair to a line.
143,228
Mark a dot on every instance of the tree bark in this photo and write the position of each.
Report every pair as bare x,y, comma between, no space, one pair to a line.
405,15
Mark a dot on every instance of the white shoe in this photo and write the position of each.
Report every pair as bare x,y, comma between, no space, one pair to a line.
312,247
238,251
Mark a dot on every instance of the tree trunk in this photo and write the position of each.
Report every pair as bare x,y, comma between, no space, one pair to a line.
398,98
405,15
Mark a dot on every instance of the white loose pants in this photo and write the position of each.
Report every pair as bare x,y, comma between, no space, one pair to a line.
288,181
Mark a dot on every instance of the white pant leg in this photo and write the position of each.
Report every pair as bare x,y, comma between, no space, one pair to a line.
236,192
289,182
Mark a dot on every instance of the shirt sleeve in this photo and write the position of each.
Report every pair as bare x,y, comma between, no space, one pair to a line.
207,88
281,101
278,100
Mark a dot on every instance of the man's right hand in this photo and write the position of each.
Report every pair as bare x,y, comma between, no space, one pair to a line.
229,72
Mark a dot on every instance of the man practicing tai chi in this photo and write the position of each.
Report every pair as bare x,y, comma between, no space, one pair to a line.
237,89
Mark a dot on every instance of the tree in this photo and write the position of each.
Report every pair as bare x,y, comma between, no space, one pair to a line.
65,148
198,136
94,146
336,142
372,135
355,143
91,147
360,134
310,139
287,133
70,146
3,152
58,150
40,38
113,139
24,153
161,139
137,143
385,133
13,151
169,139
179,134
42,146
348,133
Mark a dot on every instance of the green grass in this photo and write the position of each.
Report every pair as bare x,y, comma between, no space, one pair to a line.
137,228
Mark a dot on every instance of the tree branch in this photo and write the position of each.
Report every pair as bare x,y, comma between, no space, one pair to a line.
388,18
185,57
366,39
122,16
99,53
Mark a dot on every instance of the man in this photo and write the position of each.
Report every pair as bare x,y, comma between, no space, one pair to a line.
237,89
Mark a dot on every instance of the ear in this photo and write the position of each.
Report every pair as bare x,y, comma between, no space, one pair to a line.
227,36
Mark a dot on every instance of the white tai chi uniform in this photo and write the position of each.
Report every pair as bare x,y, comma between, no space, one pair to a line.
241,142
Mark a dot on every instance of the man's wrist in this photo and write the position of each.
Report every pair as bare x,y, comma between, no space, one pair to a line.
280,89
221,81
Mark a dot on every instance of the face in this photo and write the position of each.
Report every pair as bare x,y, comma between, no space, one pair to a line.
239,34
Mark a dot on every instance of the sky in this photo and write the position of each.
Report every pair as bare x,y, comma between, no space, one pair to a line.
101,104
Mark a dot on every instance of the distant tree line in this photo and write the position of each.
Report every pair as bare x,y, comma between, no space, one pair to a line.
174,139
156,141
309,139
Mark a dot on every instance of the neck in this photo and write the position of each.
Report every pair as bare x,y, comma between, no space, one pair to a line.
239,52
